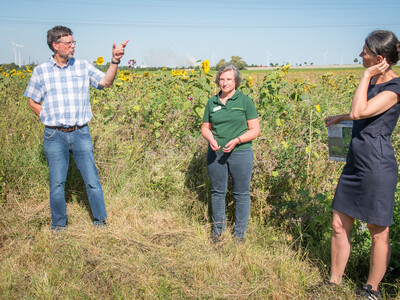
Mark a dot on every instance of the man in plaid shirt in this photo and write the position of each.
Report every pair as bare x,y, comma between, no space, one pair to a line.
58,93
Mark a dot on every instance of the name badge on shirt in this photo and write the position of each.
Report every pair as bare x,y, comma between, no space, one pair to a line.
217,108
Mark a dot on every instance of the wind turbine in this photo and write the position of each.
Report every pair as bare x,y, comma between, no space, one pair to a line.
268,56
325,56
19,53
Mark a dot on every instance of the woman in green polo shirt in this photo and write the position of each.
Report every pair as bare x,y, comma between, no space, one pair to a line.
230,123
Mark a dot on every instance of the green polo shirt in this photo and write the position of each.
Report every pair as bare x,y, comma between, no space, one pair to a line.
229,121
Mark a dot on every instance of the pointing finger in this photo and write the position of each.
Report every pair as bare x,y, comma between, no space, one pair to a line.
124,43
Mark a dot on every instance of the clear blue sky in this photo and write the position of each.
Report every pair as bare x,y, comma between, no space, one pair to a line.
175,32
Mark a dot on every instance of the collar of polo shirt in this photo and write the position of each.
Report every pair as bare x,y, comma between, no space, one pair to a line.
234,97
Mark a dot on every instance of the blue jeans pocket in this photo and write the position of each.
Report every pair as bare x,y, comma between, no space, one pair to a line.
49,133
84,130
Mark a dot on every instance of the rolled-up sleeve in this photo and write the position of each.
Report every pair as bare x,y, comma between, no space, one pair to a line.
95,76
35,89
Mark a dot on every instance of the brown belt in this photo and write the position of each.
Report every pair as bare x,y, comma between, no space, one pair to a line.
66,129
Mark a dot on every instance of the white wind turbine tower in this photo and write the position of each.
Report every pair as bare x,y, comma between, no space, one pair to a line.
268,56
325,56
19,53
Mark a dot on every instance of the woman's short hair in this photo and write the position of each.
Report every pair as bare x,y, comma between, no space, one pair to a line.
384,43
229,67
56,33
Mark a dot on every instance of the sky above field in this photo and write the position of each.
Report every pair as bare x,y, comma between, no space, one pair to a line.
180,32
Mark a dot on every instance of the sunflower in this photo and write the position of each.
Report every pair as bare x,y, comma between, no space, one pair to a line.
100,60
206,66
286,68
250,81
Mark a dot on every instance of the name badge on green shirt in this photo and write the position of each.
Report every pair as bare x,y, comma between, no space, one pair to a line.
216,108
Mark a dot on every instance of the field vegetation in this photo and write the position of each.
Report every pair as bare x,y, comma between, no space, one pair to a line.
152,165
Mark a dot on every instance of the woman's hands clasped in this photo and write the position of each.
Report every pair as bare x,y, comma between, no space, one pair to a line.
228,147
214,145
231,145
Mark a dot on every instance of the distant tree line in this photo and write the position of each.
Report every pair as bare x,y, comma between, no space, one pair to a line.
236,60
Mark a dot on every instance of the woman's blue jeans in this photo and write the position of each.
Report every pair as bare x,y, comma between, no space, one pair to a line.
57,147
239,164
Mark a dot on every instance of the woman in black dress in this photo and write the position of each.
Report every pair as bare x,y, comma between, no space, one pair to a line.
366,187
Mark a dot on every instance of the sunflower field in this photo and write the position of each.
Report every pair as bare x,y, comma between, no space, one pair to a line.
152,164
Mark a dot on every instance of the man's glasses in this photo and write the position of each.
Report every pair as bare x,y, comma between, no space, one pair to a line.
68,44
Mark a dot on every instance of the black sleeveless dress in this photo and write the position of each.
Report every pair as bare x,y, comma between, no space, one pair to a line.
366,187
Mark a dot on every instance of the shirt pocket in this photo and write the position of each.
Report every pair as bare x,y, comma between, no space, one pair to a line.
78,81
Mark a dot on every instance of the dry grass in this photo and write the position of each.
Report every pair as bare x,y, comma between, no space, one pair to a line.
152,248
145,254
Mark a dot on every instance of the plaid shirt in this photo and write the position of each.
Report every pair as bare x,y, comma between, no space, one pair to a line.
64,92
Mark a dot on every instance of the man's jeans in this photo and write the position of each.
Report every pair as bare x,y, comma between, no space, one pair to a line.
240,165
57,146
